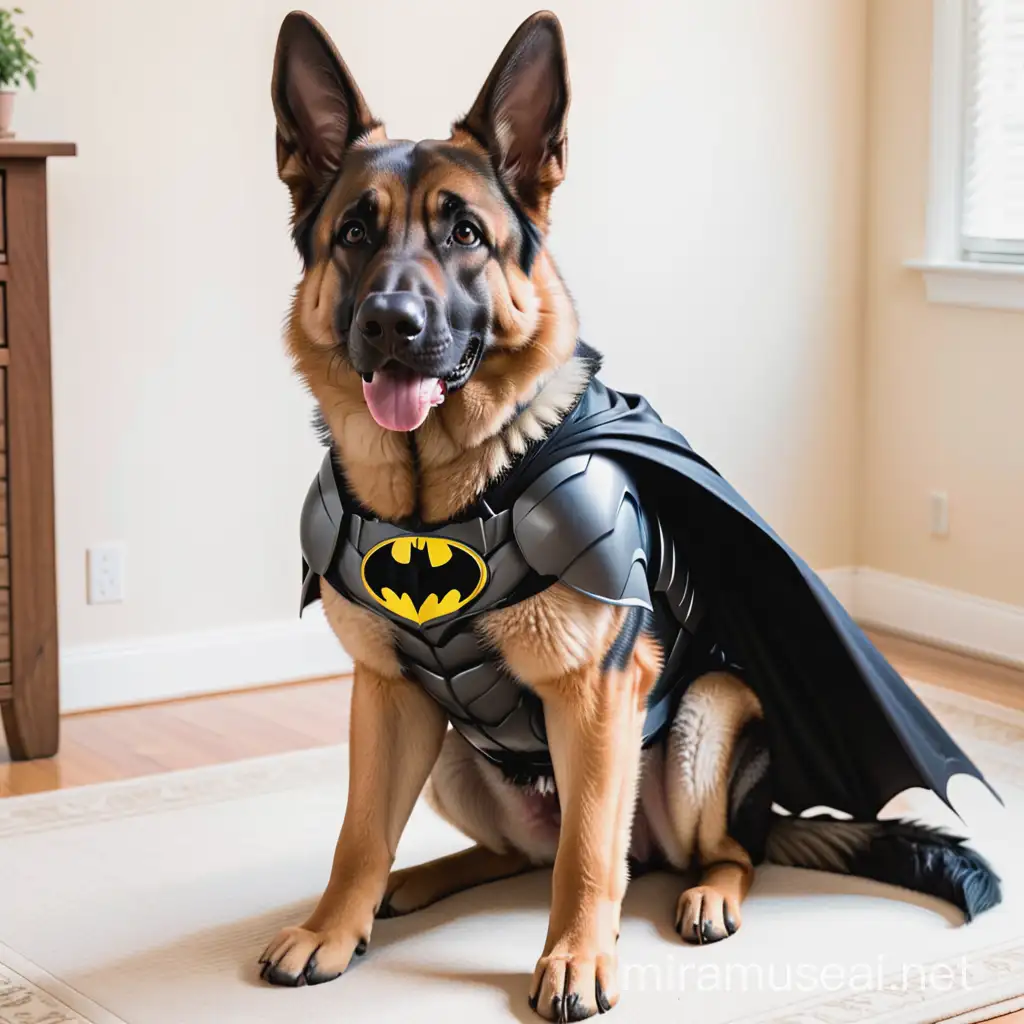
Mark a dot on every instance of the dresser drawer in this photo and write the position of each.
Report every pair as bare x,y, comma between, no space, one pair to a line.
5,518
5,560
3,216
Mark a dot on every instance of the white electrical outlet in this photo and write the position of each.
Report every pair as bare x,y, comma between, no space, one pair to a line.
938,505
106,573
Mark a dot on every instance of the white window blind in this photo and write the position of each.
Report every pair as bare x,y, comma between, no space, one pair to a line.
993,201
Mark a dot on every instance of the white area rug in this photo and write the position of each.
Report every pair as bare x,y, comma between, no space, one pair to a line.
148,902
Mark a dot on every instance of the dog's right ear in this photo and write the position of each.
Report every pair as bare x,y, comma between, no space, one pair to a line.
320,110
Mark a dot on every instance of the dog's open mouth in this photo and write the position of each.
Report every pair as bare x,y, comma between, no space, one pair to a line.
400,399
466,366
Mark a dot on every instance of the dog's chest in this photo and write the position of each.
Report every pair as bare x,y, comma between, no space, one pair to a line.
431,585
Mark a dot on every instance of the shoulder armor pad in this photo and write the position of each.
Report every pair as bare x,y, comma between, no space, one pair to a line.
581,522
322,515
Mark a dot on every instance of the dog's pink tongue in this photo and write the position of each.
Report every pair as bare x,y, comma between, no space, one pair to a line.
401,401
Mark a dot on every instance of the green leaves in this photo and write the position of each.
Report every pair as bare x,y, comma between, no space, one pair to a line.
16,63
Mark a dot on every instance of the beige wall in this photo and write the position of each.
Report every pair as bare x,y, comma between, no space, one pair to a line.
710,230
944,399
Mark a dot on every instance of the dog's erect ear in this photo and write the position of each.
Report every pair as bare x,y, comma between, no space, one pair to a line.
521,111
320,110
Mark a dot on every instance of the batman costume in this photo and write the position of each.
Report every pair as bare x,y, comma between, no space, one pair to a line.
617,505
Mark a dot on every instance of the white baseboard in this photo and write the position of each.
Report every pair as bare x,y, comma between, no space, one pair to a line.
165,668
843,583
938,615
168,667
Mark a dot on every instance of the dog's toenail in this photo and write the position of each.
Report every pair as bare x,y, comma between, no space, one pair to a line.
574,1008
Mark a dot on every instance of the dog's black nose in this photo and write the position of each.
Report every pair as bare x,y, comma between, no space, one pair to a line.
391,319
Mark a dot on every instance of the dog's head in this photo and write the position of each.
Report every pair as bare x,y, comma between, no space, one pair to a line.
424,268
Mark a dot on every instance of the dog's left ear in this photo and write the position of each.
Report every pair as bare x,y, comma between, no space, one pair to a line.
520,114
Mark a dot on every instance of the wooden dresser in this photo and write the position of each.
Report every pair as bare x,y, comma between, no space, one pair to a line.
28,590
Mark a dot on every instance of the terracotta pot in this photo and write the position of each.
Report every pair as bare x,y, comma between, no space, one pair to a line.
6,114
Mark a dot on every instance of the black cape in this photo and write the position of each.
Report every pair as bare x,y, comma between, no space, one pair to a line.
847,732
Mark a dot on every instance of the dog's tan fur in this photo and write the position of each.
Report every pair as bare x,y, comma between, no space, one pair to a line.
368,638
589,710
397,732
554,643
474,436
553,635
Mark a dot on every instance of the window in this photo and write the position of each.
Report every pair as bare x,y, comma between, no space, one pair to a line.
993,182
975,247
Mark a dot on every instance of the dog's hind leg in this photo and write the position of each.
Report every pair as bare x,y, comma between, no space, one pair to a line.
472,795
418,887
707,800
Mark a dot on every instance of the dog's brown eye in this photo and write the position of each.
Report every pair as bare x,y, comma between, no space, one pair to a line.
466,234
352,233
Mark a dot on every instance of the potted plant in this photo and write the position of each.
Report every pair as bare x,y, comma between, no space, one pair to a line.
16,65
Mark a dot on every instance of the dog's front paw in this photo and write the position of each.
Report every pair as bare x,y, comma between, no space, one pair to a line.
298,956
704,915
574,984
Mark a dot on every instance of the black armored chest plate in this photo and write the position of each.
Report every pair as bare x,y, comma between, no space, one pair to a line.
579,523
431,585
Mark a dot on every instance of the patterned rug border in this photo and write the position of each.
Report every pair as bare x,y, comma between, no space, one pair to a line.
31,995
933,692
23,1002
977,716
996,978
192,787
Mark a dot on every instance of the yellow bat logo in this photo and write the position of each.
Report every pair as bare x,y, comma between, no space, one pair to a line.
423,578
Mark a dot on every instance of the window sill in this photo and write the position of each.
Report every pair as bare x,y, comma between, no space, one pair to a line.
980,285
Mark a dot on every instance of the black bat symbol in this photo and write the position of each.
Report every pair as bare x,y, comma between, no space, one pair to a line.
423,578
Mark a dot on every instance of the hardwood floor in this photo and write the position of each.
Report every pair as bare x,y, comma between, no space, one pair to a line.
986,680
125,743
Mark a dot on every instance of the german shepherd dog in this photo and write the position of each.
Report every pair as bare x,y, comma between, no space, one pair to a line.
438,339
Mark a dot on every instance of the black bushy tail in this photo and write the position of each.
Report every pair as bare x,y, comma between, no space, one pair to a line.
901,853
